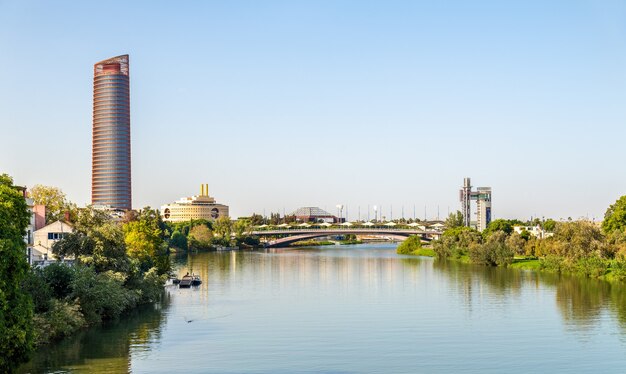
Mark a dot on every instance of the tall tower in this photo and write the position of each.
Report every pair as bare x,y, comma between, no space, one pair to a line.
465,197
483,204
110,159
483,208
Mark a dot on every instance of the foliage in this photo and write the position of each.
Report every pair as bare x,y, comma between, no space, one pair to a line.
97,241
517,243
454,220
222,229
455,242
62,319
16,310
59,278
144,241
498,225
40,292
525,235
410,245
101,296
200,237
577,239
54,200
178,240
494,252
549,225
615,216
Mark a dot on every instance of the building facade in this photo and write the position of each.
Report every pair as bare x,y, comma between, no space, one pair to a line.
111,172
482,196
200,206
45,238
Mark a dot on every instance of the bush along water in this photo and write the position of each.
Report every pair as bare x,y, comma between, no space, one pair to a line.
577,247
117,266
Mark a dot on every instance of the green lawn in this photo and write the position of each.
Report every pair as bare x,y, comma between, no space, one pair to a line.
426,252
526,264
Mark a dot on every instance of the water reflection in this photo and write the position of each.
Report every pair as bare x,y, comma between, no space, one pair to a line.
583,303
103,349
325,309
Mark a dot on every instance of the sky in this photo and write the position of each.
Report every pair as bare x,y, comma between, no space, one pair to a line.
282,104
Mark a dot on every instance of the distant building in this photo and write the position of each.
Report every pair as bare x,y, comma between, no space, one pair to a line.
535,231
482,196
200,206
110,160
36,220
45,238
314,214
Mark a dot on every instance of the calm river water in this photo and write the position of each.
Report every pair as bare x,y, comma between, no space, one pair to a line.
357,309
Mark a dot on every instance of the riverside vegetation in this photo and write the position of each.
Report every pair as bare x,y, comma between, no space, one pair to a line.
576,247
116,267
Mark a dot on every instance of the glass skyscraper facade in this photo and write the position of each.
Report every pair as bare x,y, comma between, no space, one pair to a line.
111,177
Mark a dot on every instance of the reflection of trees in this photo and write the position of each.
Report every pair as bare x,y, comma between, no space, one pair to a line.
581,301
499,281
102,349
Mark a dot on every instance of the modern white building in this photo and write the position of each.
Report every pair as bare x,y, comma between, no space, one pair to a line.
200,206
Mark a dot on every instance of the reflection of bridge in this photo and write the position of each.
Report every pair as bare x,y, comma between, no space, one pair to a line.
288,236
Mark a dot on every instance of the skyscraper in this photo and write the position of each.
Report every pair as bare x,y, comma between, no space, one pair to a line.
110,161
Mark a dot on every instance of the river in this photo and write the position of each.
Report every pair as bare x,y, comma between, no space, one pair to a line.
357,309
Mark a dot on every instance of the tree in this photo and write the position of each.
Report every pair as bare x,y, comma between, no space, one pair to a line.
97,241
517,242
410,245
222,228
455,220
498,225
178,240
615,216
144,241
16,310
54,199
200,237
494,252
549,225
577,239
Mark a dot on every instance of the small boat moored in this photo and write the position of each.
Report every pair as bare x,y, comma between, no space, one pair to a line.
189,280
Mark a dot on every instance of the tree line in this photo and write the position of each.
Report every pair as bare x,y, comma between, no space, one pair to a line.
117,265
581,247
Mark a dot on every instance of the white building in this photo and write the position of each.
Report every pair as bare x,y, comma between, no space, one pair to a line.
535,231
45,237
200,206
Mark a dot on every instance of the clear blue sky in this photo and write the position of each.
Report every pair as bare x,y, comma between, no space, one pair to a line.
281,104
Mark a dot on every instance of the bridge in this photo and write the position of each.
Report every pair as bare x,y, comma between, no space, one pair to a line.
292,235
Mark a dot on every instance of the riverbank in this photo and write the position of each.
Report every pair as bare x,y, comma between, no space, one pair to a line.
348,290
535,264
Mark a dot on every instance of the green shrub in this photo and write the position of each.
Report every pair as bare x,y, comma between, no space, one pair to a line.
495,252
59,277
592,266
61,320
38,289
551,263
101,296
410,245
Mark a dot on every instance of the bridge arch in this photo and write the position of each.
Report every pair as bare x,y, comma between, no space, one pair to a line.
287,237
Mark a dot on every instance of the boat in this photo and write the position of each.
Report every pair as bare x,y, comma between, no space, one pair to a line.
196,280
222,248
189,281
